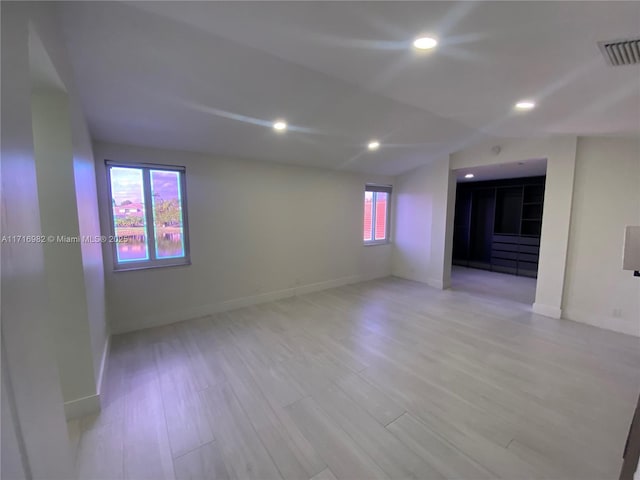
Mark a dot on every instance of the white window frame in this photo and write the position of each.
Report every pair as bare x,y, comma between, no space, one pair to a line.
152,261
378,189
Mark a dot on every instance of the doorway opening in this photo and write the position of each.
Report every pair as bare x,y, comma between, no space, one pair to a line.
497,227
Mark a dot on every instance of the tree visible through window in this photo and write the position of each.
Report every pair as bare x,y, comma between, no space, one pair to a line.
148,215
376,214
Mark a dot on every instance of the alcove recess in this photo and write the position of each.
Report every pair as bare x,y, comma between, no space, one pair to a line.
498,223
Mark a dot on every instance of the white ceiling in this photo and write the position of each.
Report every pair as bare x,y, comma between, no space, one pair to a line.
528,168
211,76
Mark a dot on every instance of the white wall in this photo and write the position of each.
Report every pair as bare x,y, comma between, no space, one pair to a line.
420,217
258,231
68,312
89,225
606,198
560,154
12,464
580,275
85,210
29,360
425,210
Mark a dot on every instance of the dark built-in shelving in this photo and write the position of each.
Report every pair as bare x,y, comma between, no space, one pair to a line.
497,225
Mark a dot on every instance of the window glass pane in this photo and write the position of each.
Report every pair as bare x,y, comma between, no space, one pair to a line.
167,213
368,216
381,215
129,218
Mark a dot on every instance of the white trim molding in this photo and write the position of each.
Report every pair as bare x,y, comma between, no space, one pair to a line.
436,283
547,310
81,407
104,364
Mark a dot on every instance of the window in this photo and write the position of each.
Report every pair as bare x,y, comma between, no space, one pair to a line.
148,215
376,214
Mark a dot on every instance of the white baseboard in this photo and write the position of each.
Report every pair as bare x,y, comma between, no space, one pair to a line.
620,325
82,406
436,283
226,305
90,404
547,310
104,364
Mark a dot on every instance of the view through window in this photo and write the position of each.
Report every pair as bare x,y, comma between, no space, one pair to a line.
376,213
148,213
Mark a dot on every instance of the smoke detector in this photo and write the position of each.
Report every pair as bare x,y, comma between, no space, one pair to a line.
621,52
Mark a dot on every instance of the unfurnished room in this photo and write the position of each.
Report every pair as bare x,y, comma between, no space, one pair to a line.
320,240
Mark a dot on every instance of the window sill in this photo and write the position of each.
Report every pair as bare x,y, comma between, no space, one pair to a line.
139,266
373,244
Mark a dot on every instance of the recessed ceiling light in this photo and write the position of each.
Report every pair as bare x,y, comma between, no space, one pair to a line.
469,175
425,43
280,125
373,145
525,105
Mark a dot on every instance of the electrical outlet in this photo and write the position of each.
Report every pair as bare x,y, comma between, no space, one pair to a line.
617,312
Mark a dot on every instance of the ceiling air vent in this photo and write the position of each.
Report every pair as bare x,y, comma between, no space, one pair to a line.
621,52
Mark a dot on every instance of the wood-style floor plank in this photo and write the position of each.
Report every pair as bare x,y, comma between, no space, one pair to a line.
243,453
381,379
445,457
185,415
205,462
375,402
100,453
326,474
383,447
147,454
290,451
339,451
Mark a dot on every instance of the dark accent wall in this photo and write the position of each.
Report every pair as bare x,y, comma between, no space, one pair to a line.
497,225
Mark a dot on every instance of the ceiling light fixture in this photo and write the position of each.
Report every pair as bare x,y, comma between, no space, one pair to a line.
469,175
373,145
425,43
280,125
525,105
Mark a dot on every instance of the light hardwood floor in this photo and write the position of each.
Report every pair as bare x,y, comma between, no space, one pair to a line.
492,284
383,379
